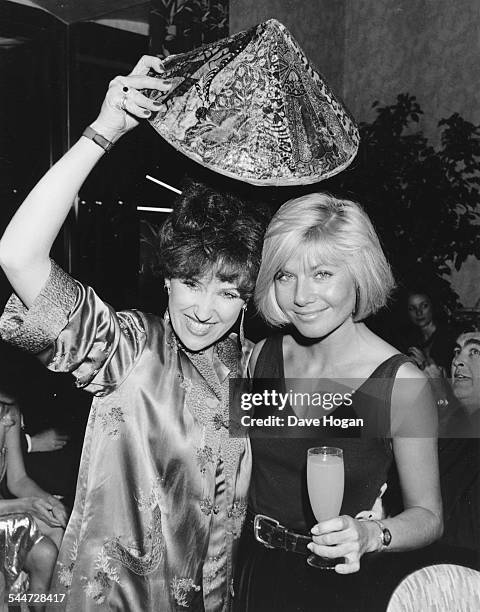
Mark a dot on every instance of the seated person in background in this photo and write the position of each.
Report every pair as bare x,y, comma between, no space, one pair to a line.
47,441
53,419
428,341
459,449
31,524
464,420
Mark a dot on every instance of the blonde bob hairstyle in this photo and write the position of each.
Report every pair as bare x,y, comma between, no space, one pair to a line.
328,231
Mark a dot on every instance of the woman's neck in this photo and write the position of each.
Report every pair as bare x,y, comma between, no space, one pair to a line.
335,346
428,330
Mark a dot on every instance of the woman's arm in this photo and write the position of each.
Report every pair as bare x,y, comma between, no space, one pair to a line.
26,243
30,497
421,522
414,430
416,458
19,483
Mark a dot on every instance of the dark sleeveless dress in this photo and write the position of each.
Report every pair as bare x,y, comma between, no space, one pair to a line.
272,579
279,486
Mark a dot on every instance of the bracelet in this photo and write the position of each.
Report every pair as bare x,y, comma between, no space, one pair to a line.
98,139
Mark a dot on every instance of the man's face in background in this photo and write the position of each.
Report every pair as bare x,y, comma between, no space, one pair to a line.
466,369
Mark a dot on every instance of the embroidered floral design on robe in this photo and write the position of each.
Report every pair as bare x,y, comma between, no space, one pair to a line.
204,457
65,572
97,588
237,513
207,507
111,421
181,588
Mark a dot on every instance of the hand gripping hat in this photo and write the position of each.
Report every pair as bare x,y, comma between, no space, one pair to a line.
252,107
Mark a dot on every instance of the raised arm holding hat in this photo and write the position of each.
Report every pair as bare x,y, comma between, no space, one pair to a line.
161,490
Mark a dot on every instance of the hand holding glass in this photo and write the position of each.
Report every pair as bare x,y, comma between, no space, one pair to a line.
325,482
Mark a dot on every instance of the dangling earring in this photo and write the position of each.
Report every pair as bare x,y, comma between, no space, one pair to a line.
166,316
357,300
241,334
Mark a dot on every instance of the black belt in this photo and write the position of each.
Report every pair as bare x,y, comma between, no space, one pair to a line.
271,534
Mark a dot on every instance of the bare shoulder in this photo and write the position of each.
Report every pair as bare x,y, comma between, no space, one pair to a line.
385,351
411,384
410,370
373,350
414,411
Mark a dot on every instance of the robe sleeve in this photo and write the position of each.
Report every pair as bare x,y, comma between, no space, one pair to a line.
71,329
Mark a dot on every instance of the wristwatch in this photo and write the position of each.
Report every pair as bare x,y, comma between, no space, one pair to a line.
97,138
386,536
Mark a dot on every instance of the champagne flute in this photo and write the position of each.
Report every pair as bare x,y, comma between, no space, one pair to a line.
325,482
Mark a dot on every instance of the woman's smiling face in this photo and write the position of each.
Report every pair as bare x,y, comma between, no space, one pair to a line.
202,310
317,299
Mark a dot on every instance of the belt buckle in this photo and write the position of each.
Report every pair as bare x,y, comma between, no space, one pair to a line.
256,527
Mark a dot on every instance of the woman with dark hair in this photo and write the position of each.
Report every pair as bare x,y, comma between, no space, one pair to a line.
428,340
323,272
162,488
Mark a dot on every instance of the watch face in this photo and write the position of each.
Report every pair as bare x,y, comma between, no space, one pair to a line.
387,536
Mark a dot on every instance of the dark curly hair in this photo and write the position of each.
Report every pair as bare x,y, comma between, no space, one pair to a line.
211,232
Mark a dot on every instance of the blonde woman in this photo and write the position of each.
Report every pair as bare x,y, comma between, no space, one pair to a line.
323,272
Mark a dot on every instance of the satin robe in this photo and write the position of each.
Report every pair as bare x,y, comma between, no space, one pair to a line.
161,492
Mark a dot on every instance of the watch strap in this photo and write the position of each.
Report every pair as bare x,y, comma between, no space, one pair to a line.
97,138
386,536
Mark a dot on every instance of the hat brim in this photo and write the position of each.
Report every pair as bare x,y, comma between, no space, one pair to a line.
252,107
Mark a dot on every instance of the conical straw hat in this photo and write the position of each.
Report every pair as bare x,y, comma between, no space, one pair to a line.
253,107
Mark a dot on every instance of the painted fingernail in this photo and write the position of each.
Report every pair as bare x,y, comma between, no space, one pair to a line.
157,103
147,113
